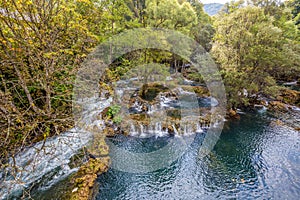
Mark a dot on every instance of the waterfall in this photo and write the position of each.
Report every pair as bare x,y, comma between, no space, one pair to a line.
142,129
151,109
51,157
185,130
158,127
132,128
175,130
133,131
143,133
199,128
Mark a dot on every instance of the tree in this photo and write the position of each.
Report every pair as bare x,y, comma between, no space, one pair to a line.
177,15
203,30
42,44
138,8
252,53
232,6
282,14
295,7
170,14
271,7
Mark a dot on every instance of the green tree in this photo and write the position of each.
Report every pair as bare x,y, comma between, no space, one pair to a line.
232,6
171,14
42,44
253,54
138,8
294,5
203,30
282,14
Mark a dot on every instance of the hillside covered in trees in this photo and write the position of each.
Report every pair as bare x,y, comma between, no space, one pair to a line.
256,45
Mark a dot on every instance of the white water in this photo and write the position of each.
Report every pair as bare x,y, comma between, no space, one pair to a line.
52,155
155,129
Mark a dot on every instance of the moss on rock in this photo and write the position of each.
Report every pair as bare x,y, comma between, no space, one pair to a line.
150,91
85,178
199,90
278,106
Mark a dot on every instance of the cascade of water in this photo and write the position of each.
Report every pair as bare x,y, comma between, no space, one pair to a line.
184,92
132,128
199,129
151,109
144,131
51,156
189,129
175,130
158,127
133,131
263,109
185,130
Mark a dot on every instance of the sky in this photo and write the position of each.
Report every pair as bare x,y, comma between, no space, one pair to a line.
214,1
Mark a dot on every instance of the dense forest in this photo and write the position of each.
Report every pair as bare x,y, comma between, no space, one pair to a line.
255,43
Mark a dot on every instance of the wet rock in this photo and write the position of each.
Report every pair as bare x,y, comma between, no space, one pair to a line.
103,114
144,108
199,90
98,148
138,105
84,180
289,96
174,113
144,118
277,105
105,90
277,123
109,132
150,91
170,129
233,114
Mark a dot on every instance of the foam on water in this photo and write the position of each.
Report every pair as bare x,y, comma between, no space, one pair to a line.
44,157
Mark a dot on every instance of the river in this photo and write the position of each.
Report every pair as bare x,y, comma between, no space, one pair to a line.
254,159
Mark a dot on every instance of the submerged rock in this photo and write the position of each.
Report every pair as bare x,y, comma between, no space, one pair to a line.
233,114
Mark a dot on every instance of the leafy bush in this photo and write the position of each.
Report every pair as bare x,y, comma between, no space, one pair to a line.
112,113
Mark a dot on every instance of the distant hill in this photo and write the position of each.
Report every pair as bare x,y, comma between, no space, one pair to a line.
212,8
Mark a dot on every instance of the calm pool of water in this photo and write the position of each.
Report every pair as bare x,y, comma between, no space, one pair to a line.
253,159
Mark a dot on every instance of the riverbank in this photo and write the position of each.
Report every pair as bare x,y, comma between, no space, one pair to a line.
246,153
104,114
271,106
254,158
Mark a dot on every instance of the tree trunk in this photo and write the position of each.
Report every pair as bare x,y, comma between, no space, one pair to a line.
25,88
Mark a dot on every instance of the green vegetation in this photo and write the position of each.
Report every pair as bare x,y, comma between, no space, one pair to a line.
112,113
256,47
43,43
